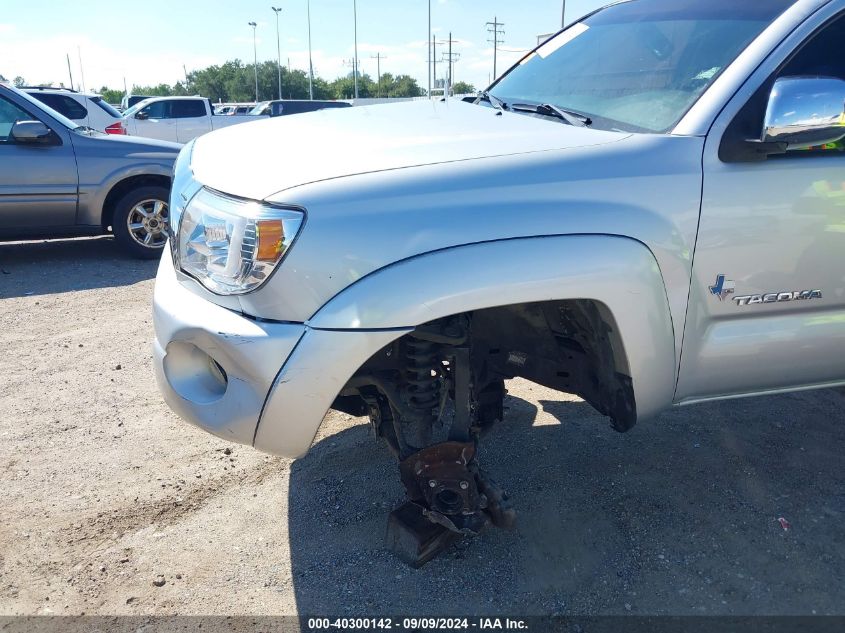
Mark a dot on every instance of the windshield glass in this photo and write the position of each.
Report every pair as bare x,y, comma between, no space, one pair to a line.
260,108
640,65
131,111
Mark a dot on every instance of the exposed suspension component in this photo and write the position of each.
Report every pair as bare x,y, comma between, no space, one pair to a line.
430,398
423,383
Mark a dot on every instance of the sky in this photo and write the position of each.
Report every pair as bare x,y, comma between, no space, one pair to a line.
149,42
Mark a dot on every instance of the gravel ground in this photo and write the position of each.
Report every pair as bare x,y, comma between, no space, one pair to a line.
112,505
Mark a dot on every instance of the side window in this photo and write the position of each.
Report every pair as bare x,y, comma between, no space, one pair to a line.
9,115
188,109
62,104
157,110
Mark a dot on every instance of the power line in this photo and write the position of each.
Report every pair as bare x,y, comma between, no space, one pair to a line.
495,31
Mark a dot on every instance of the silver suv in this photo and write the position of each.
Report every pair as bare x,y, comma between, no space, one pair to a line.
61,179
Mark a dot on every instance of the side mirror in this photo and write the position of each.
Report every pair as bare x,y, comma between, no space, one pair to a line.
32,133
142,116
805,112
277,109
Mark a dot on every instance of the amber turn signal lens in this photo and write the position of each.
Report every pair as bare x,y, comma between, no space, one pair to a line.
271,240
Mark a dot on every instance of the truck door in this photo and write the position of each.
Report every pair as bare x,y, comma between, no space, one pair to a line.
767,303
38,183
156,121
192,119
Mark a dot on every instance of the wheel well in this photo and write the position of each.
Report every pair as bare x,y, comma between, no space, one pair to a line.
125,186
573,346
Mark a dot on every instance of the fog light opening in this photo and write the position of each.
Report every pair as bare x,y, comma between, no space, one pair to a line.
193,374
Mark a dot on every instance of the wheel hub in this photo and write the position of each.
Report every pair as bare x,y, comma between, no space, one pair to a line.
147,222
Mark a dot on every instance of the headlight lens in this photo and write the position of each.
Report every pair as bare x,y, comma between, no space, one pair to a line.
231,245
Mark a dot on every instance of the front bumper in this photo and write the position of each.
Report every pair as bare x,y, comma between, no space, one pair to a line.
214,366
263,384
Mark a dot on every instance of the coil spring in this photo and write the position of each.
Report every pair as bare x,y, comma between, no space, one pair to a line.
423,383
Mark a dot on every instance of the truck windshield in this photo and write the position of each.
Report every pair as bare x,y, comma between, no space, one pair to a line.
640,65
261,108
129,112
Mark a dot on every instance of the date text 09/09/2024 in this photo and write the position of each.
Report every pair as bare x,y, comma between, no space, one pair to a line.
417,624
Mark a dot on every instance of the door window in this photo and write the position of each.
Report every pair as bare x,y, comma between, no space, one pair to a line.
9,115
188,109
62,104
157,110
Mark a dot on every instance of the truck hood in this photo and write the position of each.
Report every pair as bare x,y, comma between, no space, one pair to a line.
258,159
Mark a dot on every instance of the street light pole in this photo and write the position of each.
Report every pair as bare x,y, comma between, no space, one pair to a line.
355,64
310,63
277,11
563,14
429,49
255,58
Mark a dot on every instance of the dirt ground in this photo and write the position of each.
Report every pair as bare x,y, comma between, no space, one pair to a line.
112,505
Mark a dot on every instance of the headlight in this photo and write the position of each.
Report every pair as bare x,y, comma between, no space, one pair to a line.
232,245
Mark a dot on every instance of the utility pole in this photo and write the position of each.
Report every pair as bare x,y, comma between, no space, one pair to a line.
277,11
310,63
69,71
355,66
434,60
562,14
430,59
352,64
378,57
450,58
496,32
184,68
255,58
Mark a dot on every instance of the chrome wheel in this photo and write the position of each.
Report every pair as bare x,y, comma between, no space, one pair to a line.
147,223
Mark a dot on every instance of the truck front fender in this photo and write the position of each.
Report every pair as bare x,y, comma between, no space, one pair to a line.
618,272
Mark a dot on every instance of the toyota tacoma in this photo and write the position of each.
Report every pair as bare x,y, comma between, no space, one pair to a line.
648,211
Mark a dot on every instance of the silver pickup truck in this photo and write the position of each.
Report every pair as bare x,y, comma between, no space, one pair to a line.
647,211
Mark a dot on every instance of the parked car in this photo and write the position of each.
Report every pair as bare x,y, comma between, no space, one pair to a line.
282,107
59,179
645,211
177,119
86,109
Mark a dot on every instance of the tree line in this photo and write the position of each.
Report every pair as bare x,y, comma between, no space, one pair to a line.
234,81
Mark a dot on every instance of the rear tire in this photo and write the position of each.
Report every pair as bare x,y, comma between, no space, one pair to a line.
140,221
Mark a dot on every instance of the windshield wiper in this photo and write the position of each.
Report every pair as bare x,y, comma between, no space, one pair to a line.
493,100
547,109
